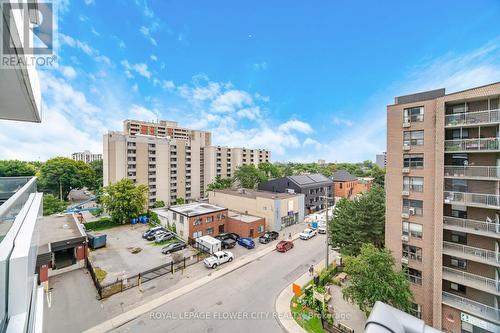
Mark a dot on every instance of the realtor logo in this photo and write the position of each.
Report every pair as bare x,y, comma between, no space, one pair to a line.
27,33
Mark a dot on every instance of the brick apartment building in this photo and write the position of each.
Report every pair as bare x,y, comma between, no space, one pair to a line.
443,204
174,162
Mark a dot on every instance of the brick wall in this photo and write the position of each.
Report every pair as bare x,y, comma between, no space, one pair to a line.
244,229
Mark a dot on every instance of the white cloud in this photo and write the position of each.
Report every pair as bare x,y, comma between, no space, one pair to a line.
75,43
147,33
341,121
260,66
95,32
168,85
231,100
142,113
295,125
153,57
68,72
89,2
135,87
140,68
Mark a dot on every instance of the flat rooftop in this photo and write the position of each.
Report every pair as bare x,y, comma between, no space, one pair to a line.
195,209
252,194
243,217
58,228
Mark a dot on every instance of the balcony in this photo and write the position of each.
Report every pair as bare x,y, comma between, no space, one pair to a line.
469,119
472,145
472,172
475,308
472,199
472,253
482,228
471,280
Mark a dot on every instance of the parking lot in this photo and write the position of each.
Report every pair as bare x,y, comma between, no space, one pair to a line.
127,253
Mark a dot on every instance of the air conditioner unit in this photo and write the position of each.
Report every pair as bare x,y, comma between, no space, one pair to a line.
411,211
406,147
406,124
405,215
405,193
406,170
405,238
404,261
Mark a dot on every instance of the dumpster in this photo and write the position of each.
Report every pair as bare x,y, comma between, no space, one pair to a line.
96,240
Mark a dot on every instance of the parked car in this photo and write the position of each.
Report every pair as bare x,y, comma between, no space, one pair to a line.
246,242
174,247
152,235
268,237
228,243
233,235
218,258
163,236
322,228
307,234
284,246
150,231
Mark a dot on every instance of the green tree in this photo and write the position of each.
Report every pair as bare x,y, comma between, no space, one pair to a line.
358,221
159,204
154,220
15,168
62,174
270,170
220,183
124,200
378,175
52,204
249,176
97,167
180,201
372,277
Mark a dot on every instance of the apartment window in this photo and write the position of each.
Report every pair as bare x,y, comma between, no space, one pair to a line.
414,276
210,231
413,138
459,159
412,252
414,114
340,185
414,184
415,206
210,219
260,229
457,287
458,263
413,161
416,230
459,237
197,221
416,310
406,229
197,234
174,216
181,219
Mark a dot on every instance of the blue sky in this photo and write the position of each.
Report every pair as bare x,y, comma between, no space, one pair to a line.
307,80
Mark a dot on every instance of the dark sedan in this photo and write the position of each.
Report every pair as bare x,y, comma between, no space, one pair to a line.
174,247
268,237
152,235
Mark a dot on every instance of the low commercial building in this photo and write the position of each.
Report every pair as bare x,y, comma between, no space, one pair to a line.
194,220
62,246
278,209
245,225
315,187
348,186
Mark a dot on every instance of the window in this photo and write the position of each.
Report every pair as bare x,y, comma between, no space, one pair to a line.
412,252
416,206
457,134
414,276
210,219
458,237
415,230
197,221
181,219
197,234
340,185
413,138
174,216
406,229
414,184
457,287
459,159
260,229
458,263
414,114
416,310
210,231
413,161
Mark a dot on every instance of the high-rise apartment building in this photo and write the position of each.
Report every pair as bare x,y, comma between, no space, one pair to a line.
381,160
443,204
173,162
86,156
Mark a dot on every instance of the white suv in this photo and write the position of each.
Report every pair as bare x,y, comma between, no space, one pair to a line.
218,258
307,234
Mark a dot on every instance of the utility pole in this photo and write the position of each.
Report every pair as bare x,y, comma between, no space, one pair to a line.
327,259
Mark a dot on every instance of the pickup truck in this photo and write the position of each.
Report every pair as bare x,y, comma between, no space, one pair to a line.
268,236
218,258
307,234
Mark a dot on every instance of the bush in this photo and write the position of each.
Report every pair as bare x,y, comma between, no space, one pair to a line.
154,220
101,224
96,212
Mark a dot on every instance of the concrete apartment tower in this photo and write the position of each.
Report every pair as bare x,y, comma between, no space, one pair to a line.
173,162
443,204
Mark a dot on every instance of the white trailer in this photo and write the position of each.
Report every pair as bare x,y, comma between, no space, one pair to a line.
209,244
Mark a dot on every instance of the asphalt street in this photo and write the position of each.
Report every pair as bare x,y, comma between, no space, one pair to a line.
241,301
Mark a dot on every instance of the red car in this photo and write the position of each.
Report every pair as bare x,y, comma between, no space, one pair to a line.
284,246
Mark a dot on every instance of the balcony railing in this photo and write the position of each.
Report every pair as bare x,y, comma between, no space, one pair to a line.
471,145
476,308
488,172
472,199
474,253
473,226
471,280
472,118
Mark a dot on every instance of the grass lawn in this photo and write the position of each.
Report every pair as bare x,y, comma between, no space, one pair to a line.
100,274
102,224
311,325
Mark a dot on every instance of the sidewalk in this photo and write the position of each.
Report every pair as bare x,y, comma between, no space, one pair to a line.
150,305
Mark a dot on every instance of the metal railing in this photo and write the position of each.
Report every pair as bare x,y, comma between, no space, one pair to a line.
414,279
490,227
472,198
476,117
485,144
480,309
464,277
479,254
472,171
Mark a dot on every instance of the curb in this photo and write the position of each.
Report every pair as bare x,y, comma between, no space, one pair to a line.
140,310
